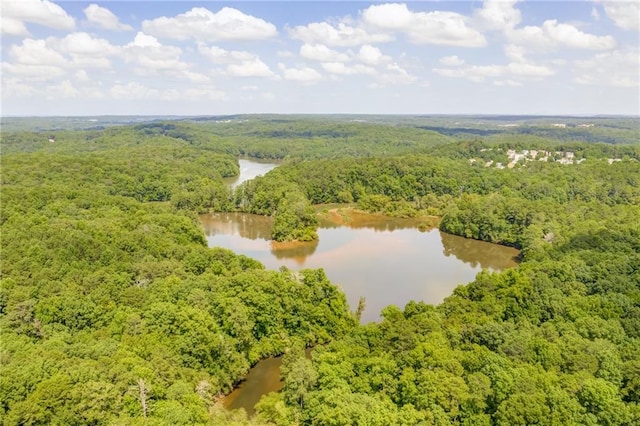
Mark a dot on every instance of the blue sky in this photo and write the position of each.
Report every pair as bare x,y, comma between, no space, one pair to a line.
212,57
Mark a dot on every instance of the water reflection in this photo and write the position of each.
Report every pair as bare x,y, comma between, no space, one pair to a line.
388,263
263,378
251,226
250,169
298,251
479,253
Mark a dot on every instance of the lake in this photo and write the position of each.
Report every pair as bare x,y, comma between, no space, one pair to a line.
386,260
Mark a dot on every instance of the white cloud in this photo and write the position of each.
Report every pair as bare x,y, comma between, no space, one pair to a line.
616,69
51,58
438,27
41,12
143,40
85,50
342,34
36,53
195,77
625,14
500,15
15,88
84,44
32,72
444,28
451,61
218,55
62,90
518,67
250,68
151,56
239,63
202,24
390,16
553,34
394,74
320,52
514,53
341,69
304,75
104,18
12,26
371,55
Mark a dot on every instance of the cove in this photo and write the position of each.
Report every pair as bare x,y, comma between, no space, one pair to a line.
250,169
386,260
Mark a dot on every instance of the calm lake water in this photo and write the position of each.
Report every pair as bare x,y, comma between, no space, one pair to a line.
386,260
250,169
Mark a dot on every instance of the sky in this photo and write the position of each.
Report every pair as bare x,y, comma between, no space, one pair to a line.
335,57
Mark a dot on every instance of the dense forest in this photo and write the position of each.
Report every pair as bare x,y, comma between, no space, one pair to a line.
114,311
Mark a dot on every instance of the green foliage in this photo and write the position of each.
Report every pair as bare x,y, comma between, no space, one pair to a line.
113,308
114,311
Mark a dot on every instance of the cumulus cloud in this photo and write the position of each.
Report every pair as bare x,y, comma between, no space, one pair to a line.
554,34
250,68
502,15
394,74
143,40
305,75
616,68
104,18
32,72
85,50
239,63
518,67
149,55
625,14
380,23
320,52
64,89
41,12
499,15
514,53
219,55
371,55
438,27
47,59
342,34
202,24
389,16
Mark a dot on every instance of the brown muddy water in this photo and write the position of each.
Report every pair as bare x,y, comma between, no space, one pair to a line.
386,260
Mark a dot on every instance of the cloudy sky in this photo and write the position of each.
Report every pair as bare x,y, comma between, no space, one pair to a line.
212,57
